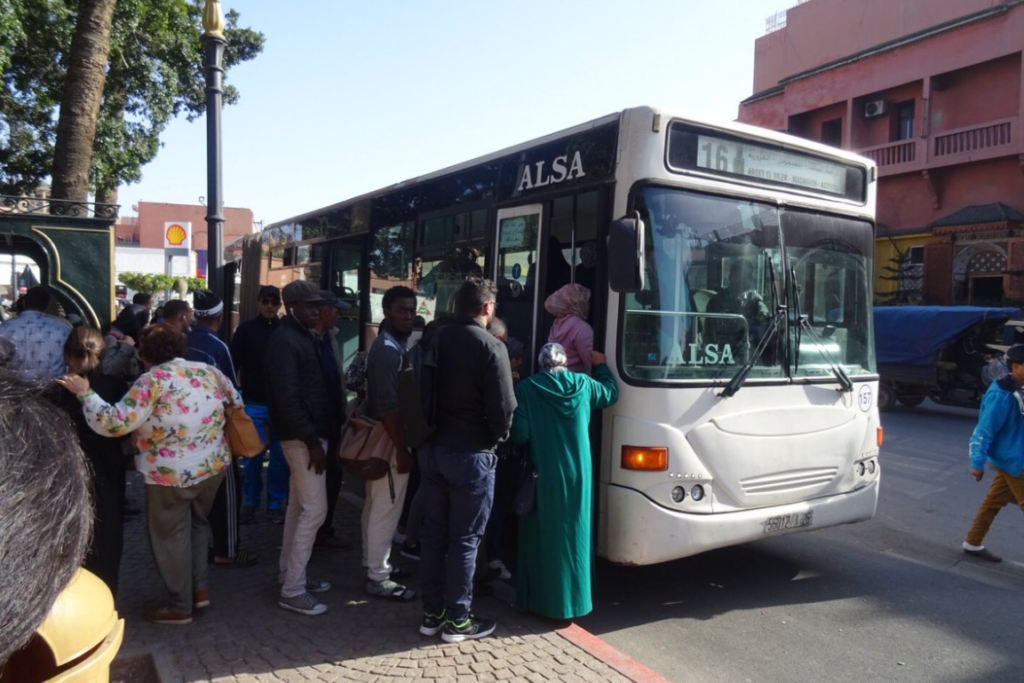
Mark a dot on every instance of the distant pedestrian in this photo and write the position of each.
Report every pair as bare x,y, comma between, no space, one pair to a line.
121,357
553,420
249,347
204,346
331,308
178,314
36,339
385,497
176,415
143,299
571,306
300,411
999,440
474,406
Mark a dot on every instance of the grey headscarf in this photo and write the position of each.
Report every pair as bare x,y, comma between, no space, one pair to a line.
552,358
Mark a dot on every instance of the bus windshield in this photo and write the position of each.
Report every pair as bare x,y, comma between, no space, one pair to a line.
716,273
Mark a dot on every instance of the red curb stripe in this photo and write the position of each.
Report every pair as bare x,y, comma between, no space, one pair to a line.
621,662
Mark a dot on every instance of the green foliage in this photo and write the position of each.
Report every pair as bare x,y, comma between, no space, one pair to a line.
150,283
155,73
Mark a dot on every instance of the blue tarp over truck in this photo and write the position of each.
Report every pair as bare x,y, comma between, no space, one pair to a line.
911,344
914,335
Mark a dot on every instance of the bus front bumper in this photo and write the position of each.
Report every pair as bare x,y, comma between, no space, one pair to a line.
640,532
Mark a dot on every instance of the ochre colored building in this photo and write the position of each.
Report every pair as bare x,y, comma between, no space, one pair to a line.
932,91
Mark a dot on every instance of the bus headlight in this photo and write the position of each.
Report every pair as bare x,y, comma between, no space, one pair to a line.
860,469
678,494
697,493
871,466
645,459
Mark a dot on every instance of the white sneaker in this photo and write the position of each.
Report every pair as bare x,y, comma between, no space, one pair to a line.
498,564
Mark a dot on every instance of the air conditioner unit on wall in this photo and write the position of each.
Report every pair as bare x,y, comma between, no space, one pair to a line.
873,109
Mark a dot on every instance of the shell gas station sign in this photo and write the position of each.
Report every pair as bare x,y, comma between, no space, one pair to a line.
178,248
177,235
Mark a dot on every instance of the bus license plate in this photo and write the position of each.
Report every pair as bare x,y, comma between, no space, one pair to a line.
783,522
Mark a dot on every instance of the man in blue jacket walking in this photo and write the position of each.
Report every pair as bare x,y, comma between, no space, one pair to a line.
999,439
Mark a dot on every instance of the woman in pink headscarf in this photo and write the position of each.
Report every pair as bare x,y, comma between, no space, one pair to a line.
571,305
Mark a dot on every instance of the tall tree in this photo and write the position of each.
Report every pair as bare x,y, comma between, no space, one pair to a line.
154,74
80,104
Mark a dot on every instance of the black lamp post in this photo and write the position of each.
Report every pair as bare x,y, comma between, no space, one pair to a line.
213,47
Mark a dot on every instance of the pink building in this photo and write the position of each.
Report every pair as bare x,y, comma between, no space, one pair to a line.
932,91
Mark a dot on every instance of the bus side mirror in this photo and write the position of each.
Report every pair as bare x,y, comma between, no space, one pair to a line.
626,255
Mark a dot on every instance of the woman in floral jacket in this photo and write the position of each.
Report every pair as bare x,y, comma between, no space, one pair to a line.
176,414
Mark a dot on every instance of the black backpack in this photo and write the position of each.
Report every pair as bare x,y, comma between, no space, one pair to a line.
417,389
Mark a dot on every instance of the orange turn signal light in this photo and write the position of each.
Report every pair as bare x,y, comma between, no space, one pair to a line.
647,459
879,437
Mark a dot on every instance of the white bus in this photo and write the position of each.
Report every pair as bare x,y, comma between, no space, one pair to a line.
731,272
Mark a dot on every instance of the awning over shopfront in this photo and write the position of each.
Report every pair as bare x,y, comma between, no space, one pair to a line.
997,216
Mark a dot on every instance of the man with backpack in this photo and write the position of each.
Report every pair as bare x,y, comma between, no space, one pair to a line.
472,413
385,496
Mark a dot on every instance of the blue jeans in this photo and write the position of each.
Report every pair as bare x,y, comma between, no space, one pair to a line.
458,490
252,468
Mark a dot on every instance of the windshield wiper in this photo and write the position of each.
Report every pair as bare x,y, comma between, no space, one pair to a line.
780,315
803,323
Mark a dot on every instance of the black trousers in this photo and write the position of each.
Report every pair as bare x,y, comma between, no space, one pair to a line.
108,482
224,515
334,480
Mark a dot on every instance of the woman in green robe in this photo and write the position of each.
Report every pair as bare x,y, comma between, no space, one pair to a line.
553,417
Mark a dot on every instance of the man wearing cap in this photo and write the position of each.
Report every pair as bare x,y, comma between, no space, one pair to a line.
249,352
204,346
300,410
333,364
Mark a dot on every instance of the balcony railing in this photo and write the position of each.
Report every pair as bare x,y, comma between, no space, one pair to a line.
902,152
973,139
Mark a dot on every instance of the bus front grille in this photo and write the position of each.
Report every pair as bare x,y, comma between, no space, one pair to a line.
794,480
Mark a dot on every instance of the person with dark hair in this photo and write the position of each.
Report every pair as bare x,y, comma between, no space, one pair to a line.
176,414
299,404
121,358
249,354
178,314
36,339
385,497
144,300
553,420
45,508
83,352
998,439
474,406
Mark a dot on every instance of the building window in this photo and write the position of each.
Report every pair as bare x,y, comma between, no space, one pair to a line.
832,132
905,120
915,256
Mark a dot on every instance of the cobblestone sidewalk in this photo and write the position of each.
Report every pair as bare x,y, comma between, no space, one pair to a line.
245,637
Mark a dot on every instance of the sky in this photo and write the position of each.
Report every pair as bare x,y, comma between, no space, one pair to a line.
350,96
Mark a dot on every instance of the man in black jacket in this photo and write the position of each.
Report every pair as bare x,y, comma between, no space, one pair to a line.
474,406
249,351
300,410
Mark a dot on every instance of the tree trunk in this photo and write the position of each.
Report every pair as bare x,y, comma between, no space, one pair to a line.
80,104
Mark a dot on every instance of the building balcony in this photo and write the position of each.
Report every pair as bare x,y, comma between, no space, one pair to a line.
988,140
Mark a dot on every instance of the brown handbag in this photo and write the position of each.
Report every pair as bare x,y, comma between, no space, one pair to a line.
366,448
243,437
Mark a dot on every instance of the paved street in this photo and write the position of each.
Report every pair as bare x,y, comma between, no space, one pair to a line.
894,599
245,637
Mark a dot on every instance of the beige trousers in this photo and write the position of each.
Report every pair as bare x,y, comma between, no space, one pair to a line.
307,508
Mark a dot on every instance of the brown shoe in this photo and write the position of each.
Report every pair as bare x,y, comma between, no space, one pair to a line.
984,554
200,599
332,543
165,615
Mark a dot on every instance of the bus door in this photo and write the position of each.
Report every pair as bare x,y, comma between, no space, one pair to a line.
344,280
518,275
